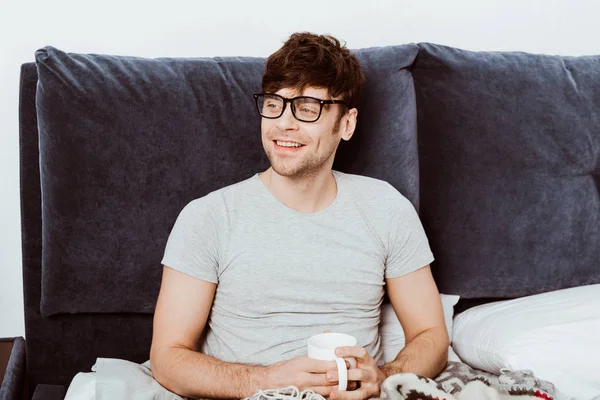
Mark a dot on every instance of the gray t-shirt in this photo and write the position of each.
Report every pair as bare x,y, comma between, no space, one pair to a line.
283,276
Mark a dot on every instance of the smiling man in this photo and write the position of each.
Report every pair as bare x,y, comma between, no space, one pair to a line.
251,271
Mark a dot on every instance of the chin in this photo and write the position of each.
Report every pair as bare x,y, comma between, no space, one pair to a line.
287,172
295,172
300,169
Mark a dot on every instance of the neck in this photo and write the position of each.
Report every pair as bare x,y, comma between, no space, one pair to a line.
308,194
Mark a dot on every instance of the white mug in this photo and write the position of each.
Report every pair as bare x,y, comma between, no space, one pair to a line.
322,347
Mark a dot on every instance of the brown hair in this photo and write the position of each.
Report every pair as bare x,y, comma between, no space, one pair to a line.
306,59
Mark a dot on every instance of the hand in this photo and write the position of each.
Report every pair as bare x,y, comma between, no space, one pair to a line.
366,373
304,373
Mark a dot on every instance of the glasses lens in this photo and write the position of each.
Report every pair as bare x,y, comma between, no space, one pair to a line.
269,106
306,108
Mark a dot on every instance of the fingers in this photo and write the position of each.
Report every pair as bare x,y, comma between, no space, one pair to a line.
367,378
316,380
327,390
357,374
358,352
319,366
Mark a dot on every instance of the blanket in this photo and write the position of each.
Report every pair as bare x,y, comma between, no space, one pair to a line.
114,379
458,381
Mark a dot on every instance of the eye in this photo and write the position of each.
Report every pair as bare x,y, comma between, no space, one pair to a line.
308,106
272,104
309,110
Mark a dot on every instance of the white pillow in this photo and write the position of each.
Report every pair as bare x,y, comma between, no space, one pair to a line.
392,334
556,335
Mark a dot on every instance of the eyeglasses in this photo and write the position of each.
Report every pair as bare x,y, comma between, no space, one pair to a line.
304,108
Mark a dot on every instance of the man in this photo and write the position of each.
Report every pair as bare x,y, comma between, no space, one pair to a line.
251,271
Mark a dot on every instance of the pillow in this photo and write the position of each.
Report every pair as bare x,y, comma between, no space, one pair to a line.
509,170
556,335
392,334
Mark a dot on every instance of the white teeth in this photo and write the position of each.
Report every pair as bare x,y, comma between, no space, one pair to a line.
288,144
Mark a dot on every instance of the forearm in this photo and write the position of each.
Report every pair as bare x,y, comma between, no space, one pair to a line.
425,355
193,374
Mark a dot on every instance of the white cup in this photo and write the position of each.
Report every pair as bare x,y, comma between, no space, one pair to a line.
322,347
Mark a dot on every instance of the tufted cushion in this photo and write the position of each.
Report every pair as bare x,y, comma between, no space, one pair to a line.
126,142
509,149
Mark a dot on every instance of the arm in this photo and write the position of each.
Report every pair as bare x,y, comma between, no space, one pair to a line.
182,310
417,304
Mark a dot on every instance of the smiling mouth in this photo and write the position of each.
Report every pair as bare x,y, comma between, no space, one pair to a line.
287,145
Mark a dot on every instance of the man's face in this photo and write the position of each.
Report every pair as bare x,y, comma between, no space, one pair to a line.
318,140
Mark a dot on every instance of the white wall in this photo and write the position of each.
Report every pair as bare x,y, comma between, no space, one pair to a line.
196,28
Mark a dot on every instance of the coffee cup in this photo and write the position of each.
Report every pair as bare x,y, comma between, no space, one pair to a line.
322,347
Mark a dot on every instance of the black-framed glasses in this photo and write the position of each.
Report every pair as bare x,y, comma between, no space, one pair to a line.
304,108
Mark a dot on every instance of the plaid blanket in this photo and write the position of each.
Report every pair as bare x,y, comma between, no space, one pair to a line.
458,381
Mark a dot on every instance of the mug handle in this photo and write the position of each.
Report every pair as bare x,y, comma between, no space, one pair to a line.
343,372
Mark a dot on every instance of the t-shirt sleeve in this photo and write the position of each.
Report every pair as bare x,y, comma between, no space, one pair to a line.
408,246
193,245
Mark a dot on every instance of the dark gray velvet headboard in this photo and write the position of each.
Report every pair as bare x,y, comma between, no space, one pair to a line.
61,345
509,153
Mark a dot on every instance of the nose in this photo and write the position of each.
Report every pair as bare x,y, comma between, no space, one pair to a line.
287,120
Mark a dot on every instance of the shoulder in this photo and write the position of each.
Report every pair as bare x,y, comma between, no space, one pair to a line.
217,203
374,192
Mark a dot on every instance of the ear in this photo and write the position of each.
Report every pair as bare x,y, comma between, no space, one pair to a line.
349,124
